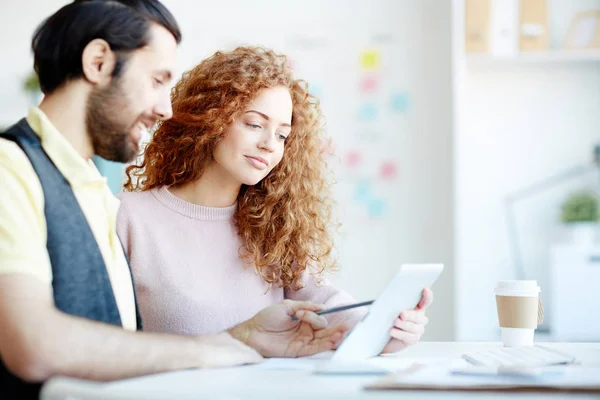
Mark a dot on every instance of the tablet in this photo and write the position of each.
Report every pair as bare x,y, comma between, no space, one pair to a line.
403,292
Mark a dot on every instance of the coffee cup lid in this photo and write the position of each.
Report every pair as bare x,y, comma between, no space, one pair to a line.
518,286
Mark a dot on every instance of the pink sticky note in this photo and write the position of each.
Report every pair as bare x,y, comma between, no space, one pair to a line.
353,158
388,170
328,148
368,84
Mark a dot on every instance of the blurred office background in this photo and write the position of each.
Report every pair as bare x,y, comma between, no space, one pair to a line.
463,132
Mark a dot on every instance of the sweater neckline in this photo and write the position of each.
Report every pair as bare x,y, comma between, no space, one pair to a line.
191,210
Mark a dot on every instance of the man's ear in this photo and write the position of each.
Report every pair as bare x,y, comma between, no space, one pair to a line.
98,61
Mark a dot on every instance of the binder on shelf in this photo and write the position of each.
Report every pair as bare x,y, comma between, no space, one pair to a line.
477,26
533,25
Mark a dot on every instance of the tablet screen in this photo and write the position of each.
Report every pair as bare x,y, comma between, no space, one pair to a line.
403,292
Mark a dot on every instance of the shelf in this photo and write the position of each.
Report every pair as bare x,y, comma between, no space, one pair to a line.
556,56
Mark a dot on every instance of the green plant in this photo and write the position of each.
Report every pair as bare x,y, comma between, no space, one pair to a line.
31,84
580,207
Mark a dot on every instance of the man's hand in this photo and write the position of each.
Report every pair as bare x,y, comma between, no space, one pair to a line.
222,350
410,325
273,333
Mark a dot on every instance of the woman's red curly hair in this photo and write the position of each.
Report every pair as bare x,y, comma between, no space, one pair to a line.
283,221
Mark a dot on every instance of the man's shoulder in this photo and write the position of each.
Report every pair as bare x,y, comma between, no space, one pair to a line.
11,151
14,162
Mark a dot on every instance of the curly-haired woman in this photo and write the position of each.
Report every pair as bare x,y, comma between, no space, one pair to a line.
229,210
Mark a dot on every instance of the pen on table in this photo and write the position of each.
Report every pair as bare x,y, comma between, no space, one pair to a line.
341,308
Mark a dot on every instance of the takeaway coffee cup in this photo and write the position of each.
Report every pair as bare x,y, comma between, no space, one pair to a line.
519,311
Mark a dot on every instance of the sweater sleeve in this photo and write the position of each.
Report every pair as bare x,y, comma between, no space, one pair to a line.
326,293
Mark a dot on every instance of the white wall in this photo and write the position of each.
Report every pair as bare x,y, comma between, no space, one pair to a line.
418,227
19,20
518,124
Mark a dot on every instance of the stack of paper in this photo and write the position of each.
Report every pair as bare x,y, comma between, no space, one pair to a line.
551,379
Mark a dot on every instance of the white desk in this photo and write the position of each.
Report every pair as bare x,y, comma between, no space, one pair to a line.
255,383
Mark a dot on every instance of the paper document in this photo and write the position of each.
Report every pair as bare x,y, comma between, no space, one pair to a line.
322,364
292,364
569,378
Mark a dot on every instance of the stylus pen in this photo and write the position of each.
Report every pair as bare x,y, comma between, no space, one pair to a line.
342,308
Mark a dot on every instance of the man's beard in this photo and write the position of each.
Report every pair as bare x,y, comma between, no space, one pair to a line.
106,113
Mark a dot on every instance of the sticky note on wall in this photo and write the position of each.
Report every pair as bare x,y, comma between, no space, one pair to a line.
400,102
368,112
369,84
388,170
362,192
353,158
316,91
328,147
376,207
369,60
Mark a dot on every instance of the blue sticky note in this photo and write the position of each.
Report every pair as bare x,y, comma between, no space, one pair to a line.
376,208
362,191
369,112
400,102
316,91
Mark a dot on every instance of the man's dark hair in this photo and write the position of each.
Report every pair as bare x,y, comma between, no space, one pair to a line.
59,41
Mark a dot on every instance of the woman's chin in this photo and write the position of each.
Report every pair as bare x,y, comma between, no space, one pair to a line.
251,180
